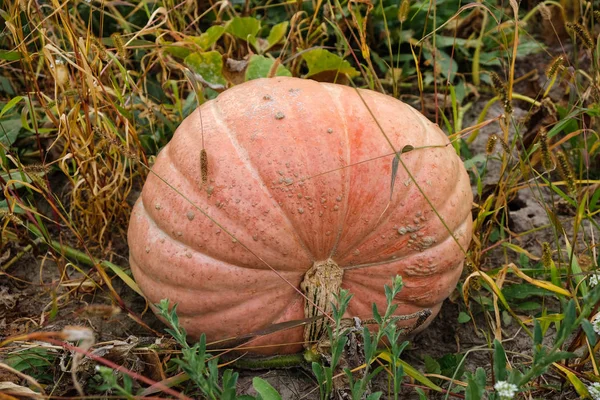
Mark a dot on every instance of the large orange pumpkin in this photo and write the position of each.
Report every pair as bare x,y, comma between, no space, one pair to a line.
299,172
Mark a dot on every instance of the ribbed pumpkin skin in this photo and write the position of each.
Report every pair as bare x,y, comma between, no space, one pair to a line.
262,138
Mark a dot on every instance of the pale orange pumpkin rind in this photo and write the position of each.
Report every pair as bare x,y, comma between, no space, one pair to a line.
298,173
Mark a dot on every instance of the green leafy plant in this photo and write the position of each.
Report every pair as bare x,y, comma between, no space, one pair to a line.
111,383
338,338
386,328
202,368
198,365
36,362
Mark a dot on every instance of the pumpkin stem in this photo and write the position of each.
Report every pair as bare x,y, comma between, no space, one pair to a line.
320,285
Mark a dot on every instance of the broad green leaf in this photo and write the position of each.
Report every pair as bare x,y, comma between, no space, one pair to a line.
445,65
10,105
266,391
30,359
321,60
489,60
595,200
245,28
451,41
463,317
480,377
277,33
178,50
421,393
489,284
28,363
527,47
208,66
18,177
528,306
16,209
473,391
557,356
9,130
592,297
589,331
9,55
209,37
568,322
522,291
507,318
567,123
478,159
259,67
499,361
451,365
554,274
541,284
544,323
6,86
431,365
319,372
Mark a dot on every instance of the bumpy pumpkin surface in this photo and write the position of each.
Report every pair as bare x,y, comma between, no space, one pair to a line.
299,173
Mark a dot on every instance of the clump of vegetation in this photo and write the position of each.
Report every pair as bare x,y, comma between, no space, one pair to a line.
90,91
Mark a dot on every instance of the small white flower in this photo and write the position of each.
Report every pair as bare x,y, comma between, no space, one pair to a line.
594,390
594,280
506,390
596,324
